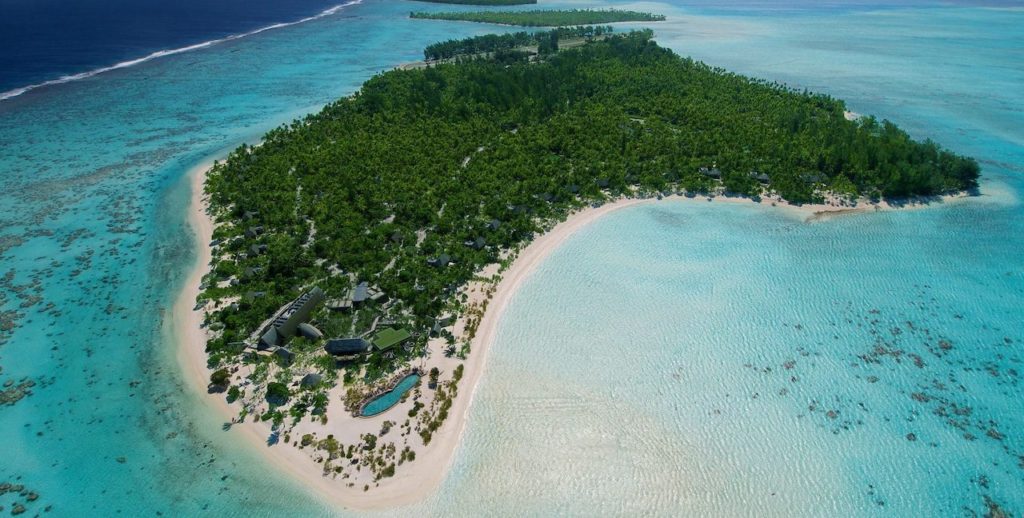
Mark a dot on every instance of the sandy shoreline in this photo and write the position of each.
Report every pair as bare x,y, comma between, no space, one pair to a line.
410,484
420,478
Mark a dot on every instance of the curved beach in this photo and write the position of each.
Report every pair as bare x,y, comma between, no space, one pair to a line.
414,482
425,474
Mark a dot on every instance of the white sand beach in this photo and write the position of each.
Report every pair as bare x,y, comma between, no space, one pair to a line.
419,478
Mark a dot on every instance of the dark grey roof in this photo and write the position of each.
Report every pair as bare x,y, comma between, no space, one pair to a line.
494,224
713,172
346,346
306,329
285,354
477,243
361,292
339,304
287,322
269,339
311,380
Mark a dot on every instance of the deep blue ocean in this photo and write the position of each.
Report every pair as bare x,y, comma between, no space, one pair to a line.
671,359
41,40
44,40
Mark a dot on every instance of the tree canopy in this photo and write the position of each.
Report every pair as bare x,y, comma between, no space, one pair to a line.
471,158
477,46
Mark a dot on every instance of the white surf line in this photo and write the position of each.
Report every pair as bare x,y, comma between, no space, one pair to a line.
162,53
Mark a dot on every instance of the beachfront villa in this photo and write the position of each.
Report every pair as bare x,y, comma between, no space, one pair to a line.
713,172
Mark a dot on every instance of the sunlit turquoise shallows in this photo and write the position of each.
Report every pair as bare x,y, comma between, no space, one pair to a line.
671,359
390,398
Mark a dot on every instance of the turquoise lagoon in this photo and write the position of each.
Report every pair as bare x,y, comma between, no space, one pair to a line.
674,358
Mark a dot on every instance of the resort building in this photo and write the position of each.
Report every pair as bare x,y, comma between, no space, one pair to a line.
360,293
311,380
356,297
307,330
389,338
713,172
339,304
346,346
476,244
254,232
286,323
286,356
439,261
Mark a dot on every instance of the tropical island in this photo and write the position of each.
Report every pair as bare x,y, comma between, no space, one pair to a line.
356,251
544,18
516,44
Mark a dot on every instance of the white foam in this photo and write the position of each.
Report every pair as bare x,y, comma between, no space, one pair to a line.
161,53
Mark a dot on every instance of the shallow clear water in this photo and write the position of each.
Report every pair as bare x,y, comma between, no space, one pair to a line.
391,397
641,370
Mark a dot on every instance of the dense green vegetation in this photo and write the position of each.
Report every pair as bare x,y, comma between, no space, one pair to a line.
545,41
426,162
544,18
481,2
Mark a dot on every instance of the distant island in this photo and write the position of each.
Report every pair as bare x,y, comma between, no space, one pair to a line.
481,2
522,43
355,252
544,18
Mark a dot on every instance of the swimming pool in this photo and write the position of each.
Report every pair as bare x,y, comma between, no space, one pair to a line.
390,398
